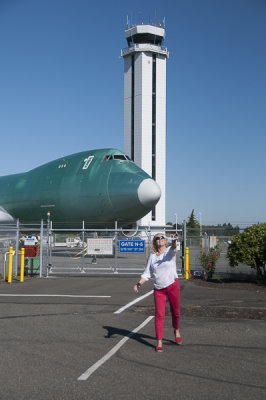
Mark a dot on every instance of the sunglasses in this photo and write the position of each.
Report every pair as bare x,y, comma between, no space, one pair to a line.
159,237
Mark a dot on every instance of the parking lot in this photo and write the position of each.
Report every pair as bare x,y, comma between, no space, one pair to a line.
79,338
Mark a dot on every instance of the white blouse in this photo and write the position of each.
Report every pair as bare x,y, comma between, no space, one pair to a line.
162,268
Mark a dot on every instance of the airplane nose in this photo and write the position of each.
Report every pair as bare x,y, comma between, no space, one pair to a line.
5,217
149,193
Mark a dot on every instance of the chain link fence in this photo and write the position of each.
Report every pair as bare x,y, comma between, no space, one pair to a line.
31,237
199,245
50,251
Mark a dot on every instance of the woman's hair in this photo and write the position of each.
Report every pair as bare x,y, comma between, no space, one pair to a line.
154,242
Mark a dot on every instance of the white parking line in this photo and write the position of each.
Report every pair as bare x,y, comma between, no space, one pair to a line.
133,302
48,295
95,366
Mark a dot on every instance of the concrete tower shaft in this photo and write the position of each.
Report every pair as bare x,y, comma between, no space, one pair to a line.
145,107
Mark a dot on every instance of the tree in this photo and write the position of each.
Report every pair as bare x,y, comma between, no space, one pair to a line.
249,248
193,226
192,222
221,230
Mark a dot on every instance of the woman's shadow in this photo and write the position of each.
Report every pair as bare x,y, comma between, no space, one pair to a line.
139,337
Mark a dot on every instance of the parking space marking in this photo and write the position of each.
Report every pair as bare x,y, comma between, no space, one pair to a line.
133,302
51,295
99,363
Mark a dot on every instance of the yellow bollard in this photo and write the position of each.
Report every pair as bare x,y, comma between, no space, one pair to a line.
187,263
9,280
22,265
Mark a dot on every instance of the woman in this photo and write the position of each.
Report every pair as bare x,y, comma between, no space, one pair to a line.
161,267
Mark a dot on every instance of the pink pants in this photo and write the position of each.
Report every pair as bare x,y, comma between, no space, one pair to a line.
173,294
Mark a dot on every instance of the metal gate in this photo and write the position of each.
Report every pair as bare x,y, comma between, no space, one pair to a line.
70,254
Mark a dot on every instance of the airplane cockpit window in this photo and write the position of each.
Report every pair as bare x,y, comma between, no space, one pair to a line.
120,157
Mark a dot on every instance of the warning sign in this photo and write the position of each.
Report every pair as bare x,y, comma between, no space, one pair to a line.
100,246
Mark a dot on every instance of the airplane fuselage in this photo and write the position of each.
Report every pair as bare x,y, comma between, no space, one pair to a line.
99,186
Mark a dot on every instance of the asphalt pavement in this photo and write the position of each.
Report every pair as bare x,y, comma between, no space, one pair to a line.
50,338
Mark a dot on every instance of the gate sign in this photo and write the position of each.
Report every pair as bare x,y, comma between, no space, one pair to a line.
30,241
131,246
100,246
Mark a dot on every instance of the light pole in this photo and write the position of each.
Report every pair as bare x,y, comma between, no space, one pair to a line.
175,222
49,225
48,241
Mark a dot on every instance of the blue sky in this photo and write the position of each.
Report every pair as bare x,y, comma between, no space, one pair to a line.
61,91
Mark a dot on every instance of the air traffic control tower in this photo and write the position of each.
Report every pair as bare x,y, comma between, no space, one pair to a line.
145,108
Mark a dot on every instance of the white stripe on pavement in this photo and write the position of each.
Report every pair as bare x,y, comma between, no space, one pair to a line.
133,302
47,295
98,364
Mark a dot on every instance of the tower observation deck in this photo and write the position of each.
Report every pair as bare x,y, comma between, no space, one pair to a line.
145,107
145,38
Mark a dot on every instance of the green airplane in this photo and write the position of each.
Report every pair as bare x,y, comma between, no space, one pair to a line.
98,187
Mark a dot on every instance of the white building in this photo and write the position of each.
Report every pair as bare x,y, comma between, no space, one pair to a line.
145,108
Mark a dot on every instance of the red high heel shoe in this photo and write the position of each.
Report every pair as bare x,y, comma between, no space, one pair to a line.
159,349
178,340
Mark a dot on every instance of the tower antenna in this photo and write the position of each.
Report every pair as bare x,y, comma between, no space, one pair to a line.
140,17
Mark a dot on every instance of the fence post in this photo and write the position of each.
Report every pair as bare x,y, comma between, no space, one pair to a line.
9,279
51,239
22,265
83,238
115,271
48,244
41,247
17,246
147,248
149,233
206,243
